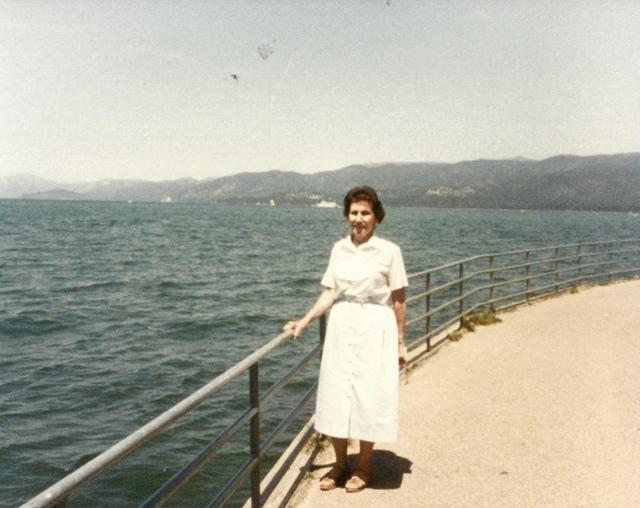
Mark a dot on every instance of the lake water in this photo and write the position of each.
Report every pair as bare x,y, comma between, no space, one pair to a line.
112,312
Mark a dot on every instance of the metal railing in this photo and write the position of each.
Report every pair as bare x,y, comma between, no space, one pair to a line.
491,282
452,293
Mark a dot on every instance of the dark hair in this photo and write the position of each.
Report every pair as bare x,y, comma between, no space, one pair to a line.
364,193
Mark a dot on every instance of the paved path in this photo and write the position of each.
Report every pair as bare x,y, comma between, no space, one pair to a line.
540,410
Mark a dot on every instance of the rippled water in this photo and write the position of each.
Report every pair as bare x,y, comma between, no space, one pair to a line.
112,312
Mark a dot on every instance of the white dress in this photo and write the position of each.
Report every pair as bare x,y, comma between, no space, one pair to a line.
358,386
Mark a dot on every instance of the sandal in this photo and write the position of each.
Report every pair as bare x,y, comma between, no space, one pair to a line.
334,478
358,481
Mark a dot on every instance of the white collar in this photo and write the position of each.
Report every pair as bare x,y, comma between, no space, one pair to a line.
373,239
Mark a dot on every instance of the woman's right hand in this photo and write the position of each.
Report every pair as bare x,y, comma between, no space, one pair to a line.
297,327
322,305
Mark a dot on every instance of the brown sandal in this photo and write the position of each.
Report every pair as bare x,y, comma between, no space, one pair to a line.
334,478
358,481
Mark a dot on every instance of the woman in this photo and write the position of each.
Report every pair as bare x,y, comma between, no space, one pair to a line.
358,387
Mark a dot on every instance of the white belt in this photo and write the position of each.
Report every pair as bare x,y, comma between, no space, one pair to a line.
358,299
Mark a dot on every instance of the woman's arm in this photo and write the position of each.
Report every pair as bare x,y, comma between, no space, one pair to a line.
400,310
322,305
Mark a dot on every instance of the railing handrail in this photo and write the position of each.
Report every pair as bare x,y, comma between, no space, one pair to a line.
60,492
513,253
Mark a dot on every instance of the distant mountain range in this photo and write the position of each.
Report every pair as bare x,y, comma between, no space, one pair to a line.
602,182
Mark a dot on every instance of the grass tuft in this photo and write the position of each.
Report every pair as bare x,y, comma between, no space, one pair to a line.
317,441
455,336
479,317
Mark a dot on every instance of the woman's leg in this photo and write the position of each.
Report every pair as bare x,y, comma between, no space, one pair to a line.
338,473
340,449
360,477
364,457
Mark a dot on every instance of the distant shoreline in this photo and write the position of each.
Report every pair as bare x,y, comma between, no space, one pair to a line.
567,182
633,212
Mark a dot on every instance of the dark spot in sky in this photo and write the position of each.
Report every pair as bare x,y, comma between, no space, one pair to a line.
266,50
235,76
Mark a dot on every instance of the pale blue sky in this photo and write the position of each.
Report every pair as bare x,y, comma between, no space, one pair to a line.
133,89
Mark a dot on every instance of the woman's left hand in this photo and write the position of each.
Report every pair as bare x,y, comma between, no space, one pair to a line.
402,352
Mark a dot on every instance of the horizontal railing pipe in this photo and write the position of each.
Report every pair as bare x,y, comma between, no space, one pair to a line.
564,246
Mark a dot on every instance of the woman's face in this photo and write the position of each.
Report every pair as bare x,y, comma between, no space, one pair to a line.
362,221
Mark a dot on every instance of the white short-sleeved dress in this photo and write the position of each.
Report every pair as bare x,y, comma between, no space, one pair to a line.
358,386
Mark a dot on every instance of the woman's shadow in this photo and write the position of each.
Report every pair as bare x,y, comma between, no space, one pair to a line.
388,469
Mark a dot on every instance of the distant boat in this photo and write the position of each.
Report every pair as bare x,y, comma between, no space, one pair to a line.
327,204
272,203
166,199
634,214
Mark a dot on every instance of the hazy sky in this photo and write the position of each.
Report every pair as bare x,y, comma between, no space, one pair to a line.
160,90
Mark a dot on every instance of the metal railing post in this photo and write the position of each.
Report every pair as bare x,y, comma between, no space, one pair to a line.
527,268
254,398
557,251
460,294
428,309
528,273
609,258
492,304
579,266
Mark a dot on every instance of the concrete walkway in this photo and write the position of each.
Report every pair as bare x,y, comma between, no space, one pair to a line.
540,410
